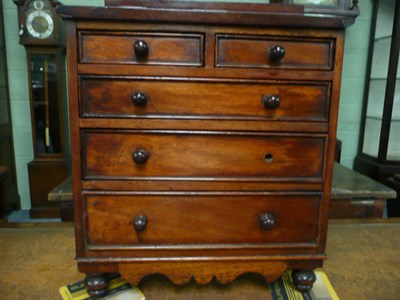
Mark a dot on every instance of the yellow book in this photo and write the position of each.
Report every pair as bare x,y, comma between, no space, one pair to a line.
118,289
284,289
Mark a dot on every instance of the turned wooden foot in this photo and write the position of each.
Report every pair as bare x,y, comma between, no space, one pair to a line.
303,280
96,284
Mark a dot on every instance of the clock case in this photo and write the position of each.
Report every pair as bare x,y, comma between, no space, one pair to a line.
49,164
24,8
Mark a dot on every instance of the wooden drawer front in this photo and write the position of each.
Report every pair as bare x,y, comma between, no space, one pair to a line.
163,48
115,98
109,155
179,219
253,52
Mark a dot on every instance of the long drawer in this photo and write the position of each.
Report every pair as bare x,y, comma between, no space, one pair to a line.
141,48
201,219
199,99
157,154
247,51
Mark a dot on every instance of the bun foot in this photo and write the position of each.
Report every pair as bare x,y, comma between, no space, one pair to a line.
303,280
96,284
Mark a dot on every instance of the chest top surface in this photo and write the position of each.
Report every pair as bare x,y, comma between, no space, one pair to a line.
198,12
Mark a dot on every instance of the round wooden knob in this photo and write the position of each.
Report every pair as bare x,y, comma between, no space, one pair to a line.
96,284
266,221
303,280
276,53
271,101
139,99
140,156
141,49
140,223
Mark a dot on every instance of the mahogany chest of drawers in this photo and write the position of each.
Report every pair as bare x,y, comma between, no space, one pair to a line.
202,139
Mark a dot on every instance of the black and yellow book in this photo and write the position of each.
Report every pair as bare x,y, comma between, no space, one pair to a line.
118,289
283,289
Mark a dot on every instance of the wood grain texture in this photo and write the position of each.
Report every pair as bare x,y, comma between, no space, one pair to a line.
233,13
367,208
204,124
164,48
203,99
183,71
331,146
108,154
252,52
62,192
194,219
203,272
39,188
73,101
202,184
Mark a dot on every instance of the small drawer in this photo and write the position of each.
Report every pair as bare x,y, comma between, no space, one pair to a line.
141,48
167,155
123,219
274,52
211,100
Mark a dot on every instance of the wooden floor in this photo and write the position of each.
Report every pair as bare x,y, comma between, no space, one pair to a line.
364,263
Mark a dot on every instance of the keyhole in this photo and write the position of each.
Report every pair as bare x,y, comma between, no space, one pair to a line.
268,157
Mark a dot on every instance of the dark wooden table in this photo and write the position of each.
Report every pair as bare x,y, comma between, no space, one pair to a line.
62,193
357,196
353,196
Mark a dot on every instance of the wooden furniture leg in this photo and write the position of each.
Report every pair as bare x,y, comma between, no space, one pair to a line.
303,280
96,284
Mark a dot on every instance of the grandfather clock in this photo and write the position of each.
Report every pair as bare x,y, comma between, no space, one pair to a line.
39,33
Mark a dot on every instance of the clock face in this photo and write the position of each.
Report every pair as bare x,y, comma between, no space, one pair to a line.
40,24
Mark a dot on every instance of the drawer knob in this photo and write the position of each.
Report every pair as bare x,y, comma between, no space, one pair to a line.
140,223
271,101
267,221
140,156
276,53
141,49
139,99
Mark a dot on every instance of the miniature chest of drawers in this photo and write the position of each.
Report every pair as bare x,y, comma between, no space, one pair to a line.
202,139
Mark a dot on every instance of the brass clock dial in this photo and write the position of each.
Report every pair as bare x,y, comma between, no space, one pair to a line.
40,24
